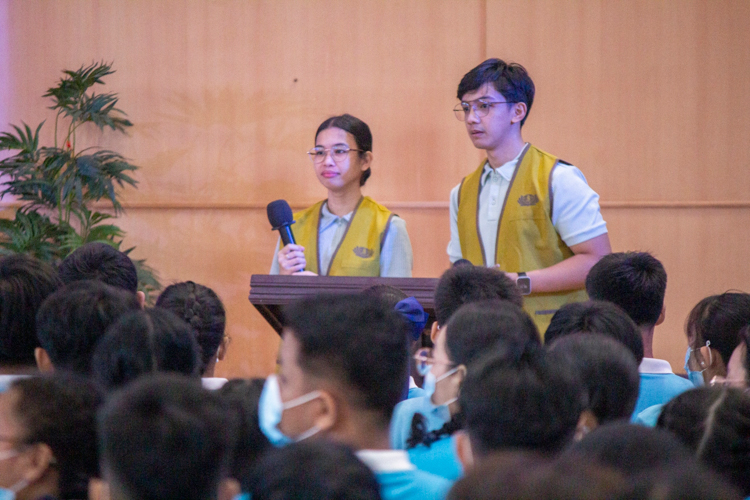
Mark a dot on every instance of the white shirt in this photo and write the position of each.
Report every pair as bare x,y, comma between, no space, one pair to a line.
385,460
653,365
575,207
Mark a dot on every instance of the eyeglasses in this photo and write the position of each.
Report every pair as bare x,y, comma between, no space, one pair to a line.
425,360
696,361
481,107
318,155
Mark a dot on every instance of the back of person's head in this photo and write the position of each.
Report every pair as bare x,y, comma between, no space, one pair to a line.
354,341
244,395
718,319
635,281
596,316
72,320
684,481
714,422
607,369
24,284
57,412
525,402
510,79
202,309
164,436
631,449
390,294
518,476
102,262
142,342
464,284
313,470
478,327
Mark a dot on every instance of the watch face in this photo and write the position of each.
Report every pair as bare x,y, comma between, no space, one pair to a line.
524,285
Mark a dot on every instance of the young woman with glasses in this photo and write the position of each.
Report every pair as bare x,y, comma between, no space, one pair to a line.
347,234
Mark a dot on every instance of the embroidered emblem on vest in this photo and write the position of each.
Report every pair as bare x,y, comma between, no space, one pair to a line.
528,200
364,253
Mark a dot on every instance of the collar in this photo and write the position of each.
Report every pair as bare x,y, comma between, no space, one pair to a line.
505,170
327,218
386,460
412,384
653,365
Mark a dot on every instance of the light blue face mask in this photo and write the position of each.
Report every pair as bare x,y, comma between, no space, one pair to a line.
696,377
430,383
271,408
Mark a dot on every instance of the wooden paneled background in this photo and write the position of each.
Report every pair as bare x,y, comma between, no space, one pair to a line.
650,98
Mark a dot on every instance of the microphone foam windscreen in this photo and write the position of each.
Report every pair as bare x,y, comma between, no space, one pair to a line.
279,213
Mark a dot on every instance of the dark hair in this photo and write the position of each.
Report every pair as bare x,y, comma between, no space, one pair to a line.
72,320
714,422
387,293
635,281
141,342
313,470
596,317
355,340
102,262
686,481
60,411
164,436
244,395
24,284
607,369
359,130
745,334
525,402
202,309
719,319
464,284
510,79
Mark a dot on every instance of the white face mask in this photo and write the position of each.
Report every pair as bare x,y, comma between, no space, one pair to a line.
430,383
271,408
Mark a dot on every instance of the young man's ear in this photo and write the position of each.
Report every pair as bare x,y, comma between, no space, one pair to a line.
222,351
141,298
329,415
42,361
662,315
39,459
519,112
434,331
463,450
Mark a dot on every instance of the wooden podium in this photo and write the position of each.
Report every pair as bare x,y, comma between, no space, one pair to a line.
269,293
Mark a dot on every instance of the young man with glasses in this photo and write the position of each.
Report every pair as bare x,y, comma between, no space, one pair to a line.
523,210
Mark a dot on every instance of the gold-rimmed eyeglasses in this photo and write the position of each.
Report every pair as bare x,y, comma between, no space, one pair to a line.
481,108
318,154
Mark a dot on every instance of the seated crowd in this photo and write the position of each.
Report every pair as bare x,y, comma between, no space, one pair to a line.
103,398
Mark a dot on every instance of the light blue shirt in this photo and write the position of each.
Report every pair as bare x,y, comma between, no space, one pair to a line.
399,479
575,207
649,416
658,384
403,414
396,258
439,458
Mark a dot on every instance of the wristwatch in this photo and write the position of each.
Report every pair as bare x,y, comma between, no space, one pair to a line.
523,282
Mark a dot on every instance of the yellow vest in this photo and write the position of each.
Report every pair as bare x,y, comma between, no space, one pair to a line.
358,254
526,238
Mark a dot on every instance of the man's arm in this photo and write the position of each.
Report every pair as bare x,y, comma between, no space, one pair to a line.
569,274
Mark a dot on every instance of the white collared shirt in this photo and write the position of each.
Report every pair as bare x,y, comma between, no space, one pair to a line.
384,461
653,365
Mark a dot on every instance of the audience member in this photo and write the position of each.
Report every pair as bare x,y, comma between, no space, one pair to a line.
607,369
684,482
48,429
244,395
738,368
163,437
524,402
101,262
24,284
202,309
72,320
311,471
143,342
342,368
714,422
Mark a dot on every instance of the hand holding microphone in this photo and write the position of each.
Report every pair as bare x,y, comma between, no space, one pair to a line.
291,256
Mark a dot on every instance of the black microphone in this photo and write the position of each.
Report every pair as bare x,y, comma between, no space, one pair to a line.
280,216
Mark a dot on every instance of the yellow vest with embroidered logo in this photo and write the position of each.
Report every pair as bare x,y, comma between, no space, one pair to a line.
526,238
358,254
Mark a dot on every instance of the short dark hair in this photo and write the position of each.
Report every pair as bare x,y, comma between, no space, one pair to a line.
596,317
311,470
202,309
719,319
164,436
359,130
510,79
72,320
464,284
714,422
102,262
525,402
479,327
142,342
59,410
24,284
608,370
355,340
244,395
390,294
635,281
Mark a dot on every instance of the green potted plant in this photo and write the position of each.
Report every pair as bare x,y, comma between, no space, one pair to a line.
57,186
